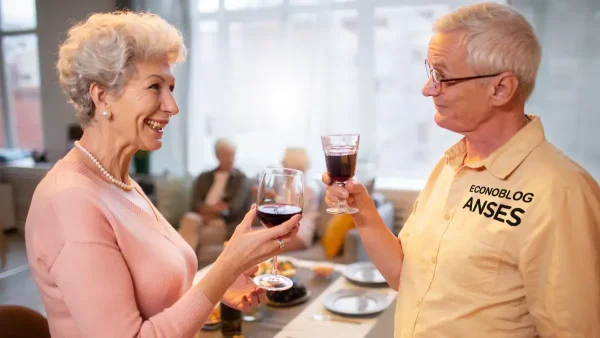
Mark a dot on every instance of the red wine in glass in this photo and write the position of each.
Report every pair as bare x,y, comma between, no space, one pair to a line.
274,214
341,152
341,167
280,196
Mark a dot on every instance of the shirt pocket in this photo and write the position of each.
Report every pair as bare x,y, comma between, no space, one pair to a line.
472,258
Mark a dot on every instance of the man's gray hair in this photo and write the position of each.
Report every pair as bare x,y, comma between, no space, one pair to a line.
498,39
222,144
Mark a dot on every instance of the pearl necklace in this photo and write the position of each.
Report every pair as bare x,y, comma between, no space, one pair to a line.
120,184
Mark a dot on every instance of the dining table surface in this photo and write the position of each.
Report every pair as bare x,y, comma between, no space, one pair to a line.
311,319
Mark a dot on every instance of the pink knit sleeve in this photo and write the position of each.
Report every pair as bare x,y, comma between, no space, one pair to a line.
96,285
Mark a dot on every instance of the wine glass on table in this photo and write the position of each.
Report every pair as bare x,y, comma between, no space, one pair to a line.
340,157
280,196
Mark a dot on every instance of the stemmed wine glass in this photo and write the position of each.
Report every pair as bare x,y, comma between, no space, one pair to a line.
280,197
340,157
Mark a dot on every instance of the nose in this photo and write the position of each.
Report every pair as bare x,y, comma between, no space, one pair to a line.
429,88
168,104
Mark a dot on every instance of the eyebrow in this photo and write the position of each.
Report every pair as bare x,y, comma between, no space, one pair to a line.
160,77
439,66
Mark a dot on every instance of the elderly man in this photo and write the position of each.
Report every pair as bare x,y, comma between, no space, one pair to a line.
220,199
504,239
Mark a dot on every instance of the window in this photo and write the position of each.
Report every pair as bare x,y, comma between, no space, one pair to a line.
208,6
245,4
279,75
21,124
16,17
409,143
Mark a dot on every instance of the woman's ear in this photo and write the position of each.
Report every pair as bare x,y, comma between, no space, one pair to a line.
98,94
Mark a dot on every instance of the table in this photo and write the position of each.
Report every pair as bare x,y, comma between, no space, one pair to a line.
292,322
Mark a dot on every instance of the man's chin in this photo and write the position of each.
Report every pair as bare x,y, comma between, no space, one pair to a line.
447,123
442,121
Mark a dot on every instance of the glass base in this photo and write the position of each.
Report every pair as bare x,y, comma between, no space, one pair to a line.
252,317
273,282
342,210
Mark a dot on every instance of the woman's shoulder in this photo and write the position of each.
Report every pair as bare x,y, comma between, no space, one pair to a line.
65,190
66,177
66,206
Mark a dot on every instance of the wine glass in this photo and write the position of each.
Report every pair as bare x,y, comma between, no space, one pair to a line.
280,197
340,157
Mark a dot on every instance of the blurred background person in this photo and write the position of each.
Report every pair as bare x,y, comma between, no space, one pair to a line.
220,198
296,158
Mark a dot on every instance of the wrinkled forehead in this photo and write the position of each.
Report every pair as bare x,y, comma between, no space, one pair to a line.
447,51
142,70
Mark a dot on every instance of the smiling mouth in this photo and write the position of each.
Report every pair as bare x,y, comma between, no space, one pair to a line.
154,125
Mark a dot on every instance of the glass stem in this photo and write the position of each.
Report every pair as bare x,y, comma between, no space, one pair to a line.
341,203
274,267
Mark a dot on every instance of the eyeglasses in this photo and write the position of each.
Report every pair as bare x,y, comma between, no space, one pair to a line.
438,79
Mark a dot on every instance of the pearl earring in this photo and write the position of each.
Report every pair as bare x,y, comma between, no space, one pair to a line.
106,114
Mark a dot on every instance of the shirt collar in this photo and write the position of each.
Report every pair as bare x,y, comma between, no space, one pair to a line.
507,158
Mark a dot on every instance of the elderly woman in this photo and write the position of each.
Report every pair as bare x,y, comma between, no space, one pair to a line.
105,260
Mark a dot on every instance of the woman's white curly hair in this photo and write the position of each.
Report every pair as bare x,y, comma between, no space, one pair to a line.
104,49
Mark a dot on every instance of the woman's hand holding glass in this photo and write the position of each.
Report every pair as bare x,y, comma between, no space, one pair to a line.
249,247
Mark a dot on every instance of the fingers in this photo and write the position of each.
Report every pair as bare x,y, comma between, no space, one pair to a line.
335,193
254,298
258,296
354,187
326,179
284,228
262,296
244,305
350,190
330,200
249,218
273,246
251,271
287,239
333,201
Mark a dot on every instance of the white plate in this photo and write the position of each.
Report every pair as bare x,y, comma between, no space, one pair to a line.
364,273
355,302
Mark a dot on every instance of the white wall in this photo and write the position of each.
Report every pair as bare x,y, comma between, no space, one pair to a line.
566,86
54,19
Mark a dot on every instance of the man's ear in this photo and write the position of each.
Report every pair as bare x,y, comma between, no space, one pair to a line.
504,89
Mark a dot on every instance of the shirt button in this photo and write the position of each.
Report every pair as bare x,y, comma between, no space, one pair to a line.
418,303
447,216
433,260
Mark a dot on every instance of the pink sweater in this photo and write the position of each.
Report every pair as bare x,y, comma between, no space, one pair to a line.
106,268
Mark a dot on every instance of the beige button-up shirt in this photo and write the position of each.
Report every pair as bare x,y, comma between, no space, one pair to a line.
508,247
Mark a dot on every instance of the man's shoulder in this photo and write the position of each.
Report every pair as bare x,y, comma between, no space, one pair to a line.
551,165
235,172
206,174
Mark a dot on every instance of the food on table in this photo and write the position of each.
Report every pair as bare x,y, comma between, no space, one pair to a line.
323,271
295,293
215,316
284,268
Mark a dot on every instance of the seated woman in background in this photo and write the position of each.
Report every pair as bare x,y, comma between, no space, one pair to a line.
296,158
106,261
